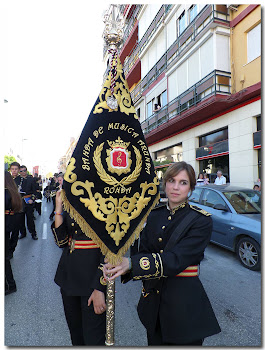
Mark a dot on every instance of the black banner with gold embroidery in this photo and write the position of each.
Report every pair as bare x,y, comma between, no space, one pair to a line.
110,185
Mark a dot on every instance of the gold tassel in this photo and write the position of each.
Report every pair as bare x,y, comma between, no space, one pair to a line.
114,259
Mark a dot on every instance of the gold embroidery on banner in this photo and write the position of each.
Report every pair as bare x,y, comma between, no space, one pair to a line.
121,93
144,263
117,213
110,180
69,176
113,258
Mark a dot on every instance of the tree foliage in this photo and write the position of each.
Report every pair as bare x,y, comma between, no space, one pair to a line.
8,160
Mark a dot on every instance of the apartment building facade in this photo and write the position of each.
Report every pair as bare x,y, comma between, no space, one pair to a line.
194,72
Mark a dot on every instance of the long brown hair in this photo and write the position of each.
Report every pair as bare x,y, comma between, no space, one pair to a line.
15,196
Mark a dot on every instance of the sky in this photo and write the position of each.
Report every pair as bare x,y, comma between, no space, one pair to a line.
54,74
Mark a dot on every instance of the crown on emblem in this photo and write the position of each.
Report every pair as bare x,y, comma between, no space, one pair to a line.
118,143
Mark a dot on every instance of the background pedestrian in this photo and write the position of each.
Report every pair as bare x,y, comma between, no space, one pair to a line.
220,180
13,204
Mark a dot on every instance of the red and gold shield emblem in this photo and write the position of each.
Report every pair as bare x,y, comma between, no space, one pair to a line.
119,158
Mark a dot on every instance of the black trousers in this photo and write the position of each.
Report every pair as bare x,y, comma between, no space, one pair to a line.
38,208
86,327
156,338
28,212
9,278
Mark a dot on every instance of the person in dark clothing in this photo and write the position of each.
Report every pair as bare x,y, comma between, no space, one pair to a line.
46,194
80,277
18,217
54,187
173,307
39,194
28,193
13,204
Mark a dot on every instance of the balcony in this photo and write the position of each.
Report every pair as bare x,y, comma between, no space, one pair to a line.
216,149
197,28
130,24
217,82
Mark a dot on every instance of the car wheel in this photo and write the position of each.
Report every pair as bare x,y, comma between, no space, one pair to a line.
248,252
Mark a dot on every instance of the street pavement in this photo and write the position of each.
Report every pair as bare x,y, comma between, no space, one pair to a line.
34,315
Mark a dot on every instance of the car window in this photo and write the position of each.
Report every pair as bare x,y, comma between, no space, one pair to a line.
211,198
195,196
245,202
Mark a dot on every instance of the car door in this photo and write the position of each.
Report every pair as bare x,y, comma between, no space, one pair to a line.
222,232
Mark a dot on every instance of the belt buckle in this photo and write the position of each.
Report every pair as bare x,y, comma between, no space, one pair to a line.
72,245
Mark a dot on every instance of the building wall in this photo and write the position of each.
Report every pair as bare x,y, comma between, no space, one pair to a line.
146,17
218,48
241,69
243,159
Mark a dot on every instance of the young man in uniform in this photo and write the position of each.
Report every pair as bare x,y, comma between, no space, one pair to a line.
18,217
29,193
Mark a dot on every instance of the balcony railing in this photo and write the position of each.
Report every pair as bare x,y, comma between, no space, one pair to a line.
131,23
195,28
217,82
212,150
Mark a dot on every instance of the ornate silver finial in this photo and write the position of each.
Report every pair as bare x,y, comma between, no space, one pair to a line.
113,35
114,25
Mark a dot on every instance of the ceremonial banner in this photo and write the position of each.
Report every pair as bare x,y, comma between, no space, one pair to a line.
110,185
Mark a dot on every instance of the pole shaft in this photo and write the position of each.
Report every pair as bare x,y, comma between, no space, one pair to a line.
110,313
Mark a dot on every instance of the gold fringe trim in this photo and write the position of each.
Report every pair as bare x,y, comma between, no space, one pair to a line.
114,259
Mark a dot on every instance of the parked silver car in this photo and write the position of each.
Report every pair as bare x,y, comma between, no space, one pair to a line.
236,214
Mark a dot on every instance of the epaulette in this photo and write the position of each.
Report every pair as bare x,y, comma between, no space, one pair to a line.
204,212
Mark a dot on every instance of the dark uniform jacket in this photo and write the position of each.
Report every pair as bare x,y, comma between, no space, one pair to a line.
78,271
9,219
28,187
181,303
18,181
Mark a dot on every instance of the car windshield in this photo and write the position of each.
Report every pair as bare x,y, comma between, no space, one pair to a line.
245,202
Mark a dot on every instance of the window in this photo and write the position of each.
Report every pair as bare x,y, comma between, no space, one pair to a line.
195,196
181,23
259,164
213,137
244,202
149,109
158,104
164,98
211,165
193,12
211,198
138,111
170,154
254,43
259,123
